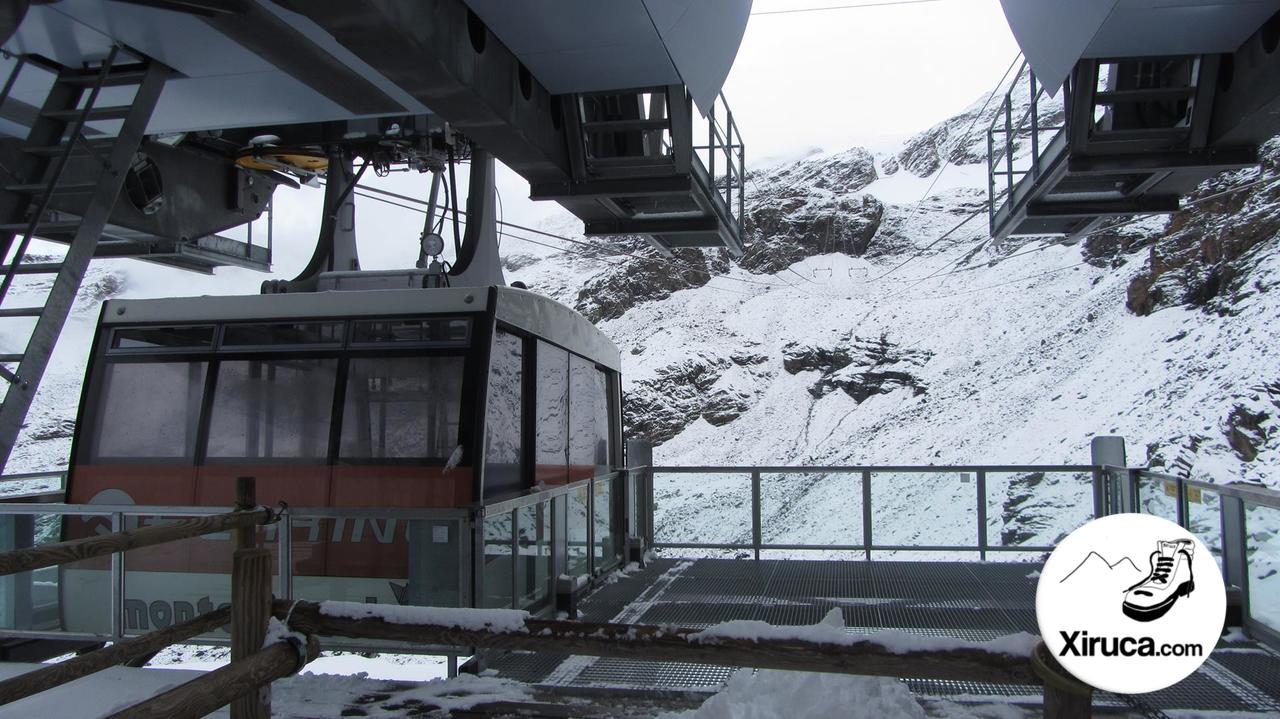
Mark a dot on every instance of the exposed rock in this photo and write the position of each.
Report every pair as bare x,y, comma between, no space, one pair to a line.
859,367
843,173
1106,248
889,166
1205,252
1246,432
781,234
53,429
512,262
658,409
962,139
610,294
725,405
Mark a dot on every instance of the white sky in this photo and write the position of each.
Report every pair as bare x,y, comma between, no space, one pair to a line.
870,76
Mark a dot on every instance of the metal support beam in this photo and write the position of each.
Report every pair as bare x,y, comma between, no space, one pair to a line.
441,53
1142,205
691,226
1212,160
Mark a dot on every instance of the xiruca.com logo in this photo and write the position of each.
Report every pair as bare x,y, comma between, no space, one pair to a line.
1131,603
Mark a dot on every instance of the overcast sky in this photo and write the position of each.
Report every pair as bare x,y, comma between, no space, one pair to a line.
870,76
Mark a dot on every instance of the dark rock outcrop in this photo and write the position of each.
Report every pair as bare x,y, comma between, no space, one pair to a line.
659,408
856,366
962,139
1205,252
784,233
626,285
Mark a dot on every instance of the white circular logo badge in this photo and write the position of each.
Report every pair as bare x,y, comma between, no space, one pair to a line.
1131,603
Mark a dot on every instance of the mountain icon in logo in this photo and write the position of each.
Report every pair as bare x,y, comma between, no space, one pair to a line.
1096,570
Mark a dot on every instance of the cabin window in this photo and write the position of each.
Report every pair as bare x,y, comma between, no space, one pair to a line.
448,332
149,410
552,428
282,333
401,407
503,419
152,338
272,409
588,420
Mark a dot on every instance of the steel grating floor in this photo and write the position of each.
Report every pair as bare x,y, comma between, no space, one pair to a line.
967,600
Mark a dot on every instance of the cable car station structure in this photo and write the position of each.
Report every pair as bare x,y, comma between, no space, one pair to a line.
433,437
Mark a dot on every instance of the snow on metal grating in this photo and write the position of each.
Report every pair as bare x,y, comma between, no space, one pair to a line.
1199,692
1253,673
981,690
527,667
667,675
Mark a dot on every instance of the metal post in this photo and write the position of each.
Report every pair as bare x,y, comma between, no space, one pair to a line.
117,582
1130,499
591,527
982,515
514,515
711,144
1008,144
284,552
1099,498
271,221
991,176
728,159
755,514
866,513
1035,125
1235,563
1182,504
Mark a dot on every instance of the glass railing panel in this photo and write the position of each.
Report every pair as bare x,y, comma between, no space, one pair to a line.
607,531
822,510
1204,518
533,555
704,508
170,583
924,509
1035,509
498,579
1158,496
73,597
1262,554
373,558
577,537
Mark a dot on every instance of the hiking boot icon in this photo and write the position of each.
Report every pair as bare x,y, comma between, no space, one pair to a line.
1169,579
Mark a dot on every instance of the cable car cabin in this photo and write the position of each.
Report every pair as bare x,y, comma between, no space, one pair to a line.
447,447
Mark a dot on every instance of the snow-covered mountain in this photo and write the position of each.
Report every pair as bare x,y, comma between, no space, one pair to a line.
872,321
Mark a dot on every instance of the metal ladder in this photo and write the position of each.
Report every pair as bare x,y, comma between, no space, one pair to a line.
56,135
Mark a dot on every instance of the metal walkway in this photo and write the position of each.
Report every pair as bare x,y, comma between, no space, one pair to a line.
967,600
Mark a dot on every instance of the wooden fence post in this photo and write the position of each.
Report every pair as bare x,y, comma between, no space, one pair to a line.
250,610
250,604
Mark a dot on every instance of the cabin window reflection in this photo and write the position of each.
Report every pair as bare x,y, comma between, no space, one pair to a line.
149,410
588,420
552,428
401,407
272,409
503,419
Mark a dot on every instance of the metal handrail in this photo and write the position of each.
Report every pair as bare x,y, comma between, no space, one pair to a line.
845,469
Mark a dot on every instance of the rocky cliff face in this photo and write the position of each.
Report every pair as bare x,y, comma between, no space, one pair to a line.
1203,256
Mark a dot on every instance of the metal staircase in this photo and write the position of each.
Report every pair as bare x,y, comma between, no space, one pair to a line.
33,181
